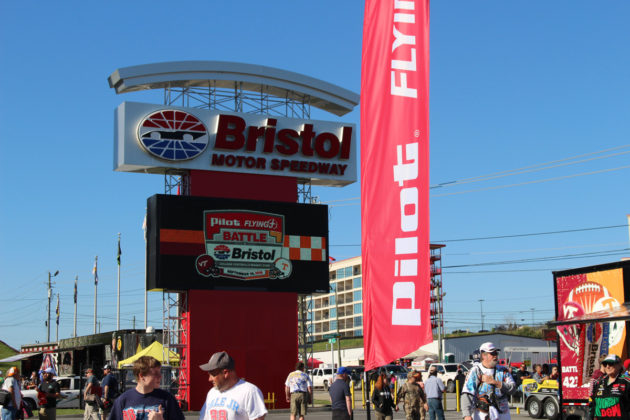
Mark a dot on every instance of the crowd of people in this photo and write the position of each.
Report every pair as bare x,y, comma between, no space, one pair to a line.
484,392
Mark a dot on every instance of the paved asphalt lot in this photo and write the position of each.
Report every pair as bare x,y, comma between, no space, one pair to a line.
323,413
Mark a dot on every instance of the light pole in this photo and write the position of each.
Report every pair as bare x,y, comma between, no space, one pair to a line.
50,276
481,305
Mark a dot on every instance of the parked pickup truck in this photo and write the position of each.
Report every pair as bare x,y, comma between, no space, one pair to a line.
323,377
446,372
70,390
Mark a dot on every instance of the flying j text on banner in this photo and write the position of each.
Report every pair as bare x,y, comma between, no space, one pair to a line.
395,179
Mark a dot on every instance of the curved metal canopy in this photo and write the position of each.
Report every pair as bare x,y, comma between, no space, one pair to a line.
223,74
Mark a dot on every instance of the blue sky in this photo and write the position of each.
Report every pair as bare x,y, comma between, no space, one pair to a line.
513,84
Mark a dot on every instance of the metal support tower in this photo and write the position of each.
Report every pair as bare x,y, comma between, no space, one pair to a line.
305,305
437,309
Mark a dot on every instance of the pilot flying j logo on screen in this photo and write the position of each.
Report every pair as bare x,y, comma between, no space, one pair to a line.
243,245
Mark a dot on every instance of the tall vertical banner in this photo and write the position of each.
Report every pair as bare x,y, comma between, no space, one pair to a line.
395,179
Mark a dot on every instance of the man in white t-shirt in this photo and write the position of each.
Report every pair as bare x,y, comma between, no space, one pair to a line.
231,398
298,389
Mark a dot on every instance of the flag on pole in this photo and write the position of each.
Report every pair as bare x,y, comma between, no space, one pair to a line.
75,290
395,179
119,251
95,271
57,311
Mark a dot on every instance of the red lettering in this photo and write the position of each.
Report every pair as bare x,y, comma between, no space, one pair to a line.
253,133
230,126
320,145
289,144
307,137
270,134
346,140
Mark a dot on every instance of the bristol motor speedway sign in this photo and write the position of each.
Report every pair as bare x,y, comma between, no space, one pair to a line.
215,243
156,138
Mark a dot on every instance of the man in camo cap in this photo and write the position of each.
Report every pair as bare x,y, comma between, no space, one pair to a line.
413,397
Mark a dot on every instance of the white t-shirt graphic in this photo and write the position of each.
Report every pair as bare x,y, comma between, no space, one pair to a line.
243,401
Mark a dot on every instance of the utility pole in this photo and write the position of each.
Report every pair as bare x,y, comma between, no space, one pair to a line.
50,276
481,305
58,314
338,333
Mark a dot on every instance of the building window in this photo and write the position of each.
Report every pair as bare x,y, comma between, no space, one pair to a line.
356,295
333,325
358,321
358,308
333,287
341,273
358,332
332,275
332,300
356,282
333,313
356,270
348,271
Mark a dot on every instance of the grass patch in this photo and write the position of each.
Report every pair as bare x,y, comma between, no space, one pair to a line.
321,402
61,411
346,343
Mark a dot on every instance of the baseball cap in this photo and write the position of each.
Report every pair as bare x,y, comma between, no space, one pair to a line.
626,365
107,366
219,360
488,347
49,370
612,359
342,370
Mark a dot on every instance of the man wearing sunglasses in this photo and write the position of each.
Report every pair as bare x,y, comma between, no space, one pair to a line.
487,387
610,398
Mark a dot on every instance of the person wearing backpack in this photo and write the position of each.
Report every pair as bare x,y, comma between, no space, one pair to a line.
92,397
487,387
12,385
110,390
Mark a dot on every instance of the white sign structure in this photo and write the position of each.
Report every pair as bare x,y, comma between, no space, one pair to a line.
154,138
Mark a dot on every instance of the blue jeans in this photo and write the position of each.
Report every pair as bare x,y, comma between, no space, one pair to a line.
8,413
435,409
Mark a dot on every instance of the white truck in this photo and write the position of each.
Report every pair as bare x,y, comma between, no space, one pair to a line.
70,390
446,372
323,377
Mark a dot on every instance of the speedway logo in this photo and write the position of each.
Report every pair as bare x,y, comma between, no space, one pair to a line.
243,245
173,135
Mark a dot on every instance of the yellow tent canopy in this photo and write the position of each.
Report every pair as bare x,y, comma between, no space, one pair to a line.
154,350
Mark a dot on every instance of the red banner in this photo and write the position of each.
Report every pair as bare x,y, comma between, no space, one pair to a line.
395,179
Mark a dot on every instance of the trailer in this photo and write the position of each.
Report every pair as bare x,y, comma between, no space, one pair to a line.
592,315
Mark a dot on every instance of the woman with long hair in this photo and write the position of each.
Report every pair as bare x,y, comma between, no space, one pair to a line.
382,398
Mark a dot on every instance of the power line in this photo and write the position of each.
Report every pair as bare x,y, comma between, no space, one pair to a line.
622,251
554,232
536,167
536,181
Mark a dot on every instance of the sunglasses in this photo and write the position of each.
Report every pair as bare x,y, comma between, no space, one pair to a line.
606,364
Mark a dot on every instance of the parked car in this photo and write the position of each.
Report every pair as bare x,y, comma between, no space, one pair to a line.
70,390
323,377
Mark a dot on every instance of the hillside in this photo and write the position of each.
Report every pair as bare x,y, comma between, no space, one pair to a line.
6,351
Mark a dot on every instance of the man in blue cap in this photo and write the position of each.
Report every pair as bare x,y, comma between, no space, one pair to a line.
340,396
